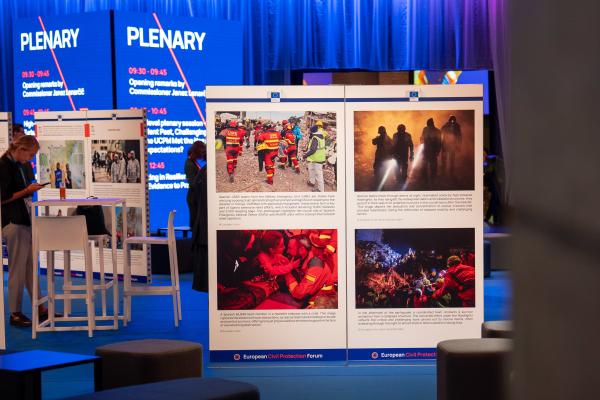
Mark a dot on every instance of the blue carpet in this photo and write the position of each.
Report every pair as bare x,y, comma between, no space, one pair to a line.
152,317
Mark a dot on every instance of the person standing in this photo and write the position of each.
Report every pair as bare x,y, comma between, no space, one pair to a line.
232,147
259,147
402,151
19,131
16,192
382,141
270,138
242,133
122,169
133,168
58,176
297,132
67,175
291,149
451,143
114,169
315,157
195,173
432,145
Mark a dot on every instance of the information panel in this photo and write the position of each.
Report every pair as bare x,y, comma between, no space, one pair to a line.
163,64
5,131
276,224
5,126
62,63
99,153
414,208
354,211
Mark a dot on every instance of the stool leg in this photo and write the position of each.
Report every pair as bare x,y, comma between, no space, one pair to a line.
67,282
35,294
126,284
100,244
89,292
178,291
113,254
51,289
172,266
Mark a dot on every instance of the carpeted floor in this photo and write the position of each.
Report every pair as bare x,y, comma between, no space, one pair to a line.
152,318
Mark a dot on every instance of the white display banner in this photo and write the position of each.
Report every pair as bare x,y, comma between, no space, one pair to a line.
5,128
403,218
414,218
99,153
5,131
276,224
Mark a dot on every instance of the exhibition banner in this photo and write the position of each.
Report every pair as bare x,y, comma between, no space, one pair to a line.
276,224
5,129
344,222
100,154
414,206
162,64
62,63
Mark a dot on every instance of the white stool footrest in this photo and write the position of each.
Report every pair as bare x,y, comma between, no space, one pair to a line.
70,296
149,290
105,286
74,287
147,240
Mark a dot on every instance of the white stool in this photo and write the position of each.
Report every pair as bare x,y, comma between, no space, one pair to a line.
52,234
172,289
100,243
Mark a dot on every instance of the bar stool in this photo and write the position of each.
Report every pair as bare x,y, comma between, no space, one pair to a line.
65,234
99,242
172,289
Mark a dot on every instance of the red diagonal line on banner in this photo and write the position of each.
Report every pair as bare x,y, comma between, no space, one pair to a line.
187,85
59,69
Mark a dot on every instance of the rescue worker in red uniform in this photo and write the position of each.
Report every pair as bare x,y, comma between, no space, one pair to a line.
259,147
316,280
232,147
290,149
459,281
314,283
242,134
324,245
270,139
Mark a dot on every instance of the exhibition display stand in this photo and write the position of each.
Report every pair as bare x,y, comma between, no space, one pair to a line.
5,130
100,153
371,233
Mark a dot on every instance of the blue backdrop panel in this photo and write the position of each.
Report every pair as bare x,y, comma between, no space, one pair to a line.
156,70
53,54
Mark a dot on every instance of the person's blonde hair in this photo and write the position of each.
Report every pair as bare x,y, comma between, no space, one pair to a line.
27,142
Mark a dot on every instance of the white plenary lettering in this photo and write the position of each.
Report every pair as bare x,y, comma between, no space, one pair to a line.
159,38
42,40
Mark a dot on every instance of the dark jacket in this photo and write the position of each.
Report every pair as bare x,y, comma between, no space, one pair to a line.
403,148
196,198
12,180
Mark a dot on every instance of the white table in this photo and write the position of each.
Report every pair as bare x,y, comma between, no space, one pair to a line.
113,203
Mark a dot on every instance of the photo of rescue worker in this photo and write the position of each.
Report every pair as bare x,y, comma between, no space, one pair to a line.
285,151
414,150
116,161
415,268
277,269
